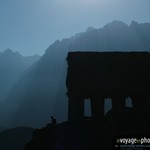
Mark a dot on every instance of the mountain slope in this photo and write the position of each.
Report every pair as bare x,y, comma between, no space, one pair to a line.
42,93
12,65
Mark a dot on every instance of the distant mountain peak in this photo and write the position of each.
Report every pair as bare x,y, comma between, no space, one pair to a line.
116,23
90,28
8,51
18,54
134,22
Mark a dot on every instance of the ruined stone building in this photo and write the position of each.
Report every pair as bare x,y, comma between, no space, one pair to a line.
100,75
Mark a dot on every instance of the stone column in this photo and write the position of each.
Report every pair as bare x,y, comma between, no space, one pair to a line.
138,101
75,109
140,105
118,102
97,108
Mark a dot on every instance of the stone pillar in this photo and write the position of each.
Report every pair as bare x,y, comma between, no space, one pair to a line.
75,109
138,102
140,105
118,102
97,108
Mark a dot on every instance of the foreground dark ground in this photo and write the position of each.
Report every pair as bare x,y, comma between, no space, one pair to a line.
15,138
90,134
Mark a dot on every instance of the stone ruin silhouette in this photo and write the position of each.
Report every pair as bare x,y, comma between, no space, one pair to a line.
100,75
96,76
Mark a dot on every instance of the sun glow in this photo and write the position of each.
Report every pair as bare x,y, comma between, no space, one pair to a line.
83,2
88,2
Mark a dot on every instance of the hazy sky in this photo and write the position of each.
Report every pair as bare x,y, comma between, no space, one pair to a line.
30,26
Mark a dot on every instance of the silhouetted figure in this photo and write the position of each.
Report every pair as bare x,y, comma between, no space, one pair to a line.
54,122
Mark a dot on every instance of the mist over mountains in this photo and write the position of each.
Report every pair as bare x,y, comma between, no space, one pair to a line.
12,66
41,92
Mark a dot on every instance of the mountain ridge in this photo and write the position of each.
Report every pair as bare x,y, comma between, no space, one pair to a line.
42,92
12,66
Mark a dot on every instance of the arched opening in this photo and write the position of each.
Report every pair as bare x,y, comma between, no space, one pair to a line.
87,108
107,105
128,102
